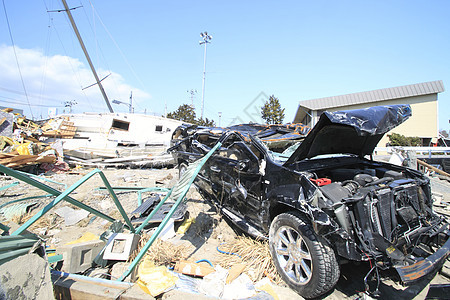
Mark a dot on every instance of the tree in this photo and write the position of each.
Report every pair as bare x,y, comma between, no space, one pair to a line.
184,113
206,122
272,112
396,139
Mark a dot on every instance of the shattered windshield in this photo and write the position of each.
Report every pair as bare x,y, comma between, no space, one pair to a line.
277,157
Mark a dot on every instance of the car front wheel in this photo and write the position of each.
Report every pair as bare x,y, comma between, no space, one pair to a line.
305,263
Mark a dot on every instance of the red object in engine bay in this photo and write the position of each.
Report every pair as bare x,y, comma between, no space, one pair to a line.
321,181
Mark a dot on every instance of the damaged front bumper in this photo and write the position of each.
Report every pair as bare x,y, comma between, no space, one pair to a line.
410,274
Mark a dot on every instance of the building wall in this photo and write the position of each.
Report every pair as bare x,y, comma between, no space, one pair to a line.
424,120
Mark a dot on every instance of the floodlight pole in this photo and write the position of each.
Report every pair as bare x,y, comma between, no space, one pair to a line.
206,39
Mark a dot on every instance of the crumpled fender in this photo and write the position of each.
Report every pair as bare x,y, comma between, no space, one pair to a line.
293,195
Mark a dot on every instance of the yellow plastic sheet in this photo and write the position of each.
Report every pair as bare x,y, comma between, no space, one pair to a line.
154,280
24,149
185,225
88,236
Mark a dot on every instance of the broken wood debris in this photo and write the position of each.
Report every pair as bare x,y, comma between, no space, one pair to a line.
17,160
19,142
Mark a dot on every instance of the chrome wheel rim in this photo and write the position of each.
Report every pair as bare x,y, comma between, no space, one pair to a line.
293,255
182,170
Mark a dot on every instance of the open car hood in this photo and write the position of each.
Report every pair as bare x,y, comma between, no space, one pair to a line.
350,131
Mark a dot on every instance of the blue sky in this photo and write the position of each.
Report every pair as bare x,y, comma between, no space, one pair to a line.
295,50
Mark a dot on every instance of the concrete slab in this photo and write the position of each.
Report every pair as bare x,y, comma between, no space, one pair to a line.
136,293
26,277
67,288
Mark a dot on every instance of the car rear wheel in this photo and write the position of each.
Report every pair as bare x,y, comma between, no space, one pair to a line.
305,263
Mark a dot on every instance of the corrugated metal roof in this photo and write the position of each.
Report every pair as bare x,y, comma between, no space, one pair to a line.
418,89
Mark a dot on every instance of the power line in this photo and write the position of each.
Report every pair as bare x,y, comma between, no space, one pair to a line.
119,49
17,60
24,103
29,95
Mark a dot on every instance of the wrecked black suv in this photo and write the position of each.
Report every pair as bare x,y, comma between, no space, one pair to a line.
323,200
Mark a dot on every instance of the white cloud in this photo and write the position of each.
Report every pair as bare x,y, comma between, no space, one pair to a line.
51,80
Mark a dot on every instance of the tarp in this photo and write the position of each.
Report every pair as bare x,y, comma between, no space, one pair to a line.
350,131
372,120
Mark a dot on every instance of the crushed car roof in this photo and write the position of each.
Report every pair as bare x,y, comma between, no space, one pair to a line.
273,135
350,131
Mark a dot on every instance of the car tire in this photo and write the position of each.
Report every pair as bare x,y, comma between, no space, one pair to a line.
182,167
307,264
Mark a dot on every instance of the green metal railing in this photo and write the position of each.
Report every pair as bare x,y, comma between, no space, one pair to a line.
139,190
8,186
65,196
178,193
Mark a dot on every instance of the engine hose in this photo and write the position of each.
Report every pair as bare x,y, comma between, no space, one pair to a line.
351,185
381,180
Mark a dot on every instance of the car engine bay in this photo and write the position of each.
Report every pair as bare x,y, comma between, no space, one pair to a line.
388,211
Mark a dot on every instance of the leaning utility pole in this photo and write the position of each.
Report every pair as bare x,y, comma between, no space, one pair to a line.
77,33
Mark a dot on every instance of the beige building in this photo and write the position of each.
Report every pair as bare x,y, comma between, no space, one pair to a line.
421,96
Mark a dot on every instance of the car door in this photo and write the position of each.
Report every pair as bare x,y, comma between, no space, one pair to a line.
235,173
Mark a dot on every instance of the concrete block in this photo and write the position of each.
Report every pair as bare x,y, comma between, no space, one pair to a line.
119,268
79,257
120,246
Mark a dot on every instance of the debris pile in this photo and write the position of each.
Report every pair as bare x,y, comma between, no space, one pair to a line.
20,145
90,140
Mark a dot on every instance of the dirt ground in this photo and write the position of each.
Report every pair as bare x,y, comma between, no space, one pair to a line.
201,241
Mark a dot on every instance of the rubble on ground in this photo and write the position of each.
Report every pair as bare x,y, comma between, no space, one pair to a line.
201,241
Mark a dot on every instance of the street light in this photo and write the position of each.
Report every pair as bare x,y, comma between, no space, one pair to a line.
130,105
206,39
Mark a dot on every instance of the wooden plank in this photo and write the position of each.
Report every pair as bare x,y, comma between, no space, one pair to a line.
19,160
420,162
